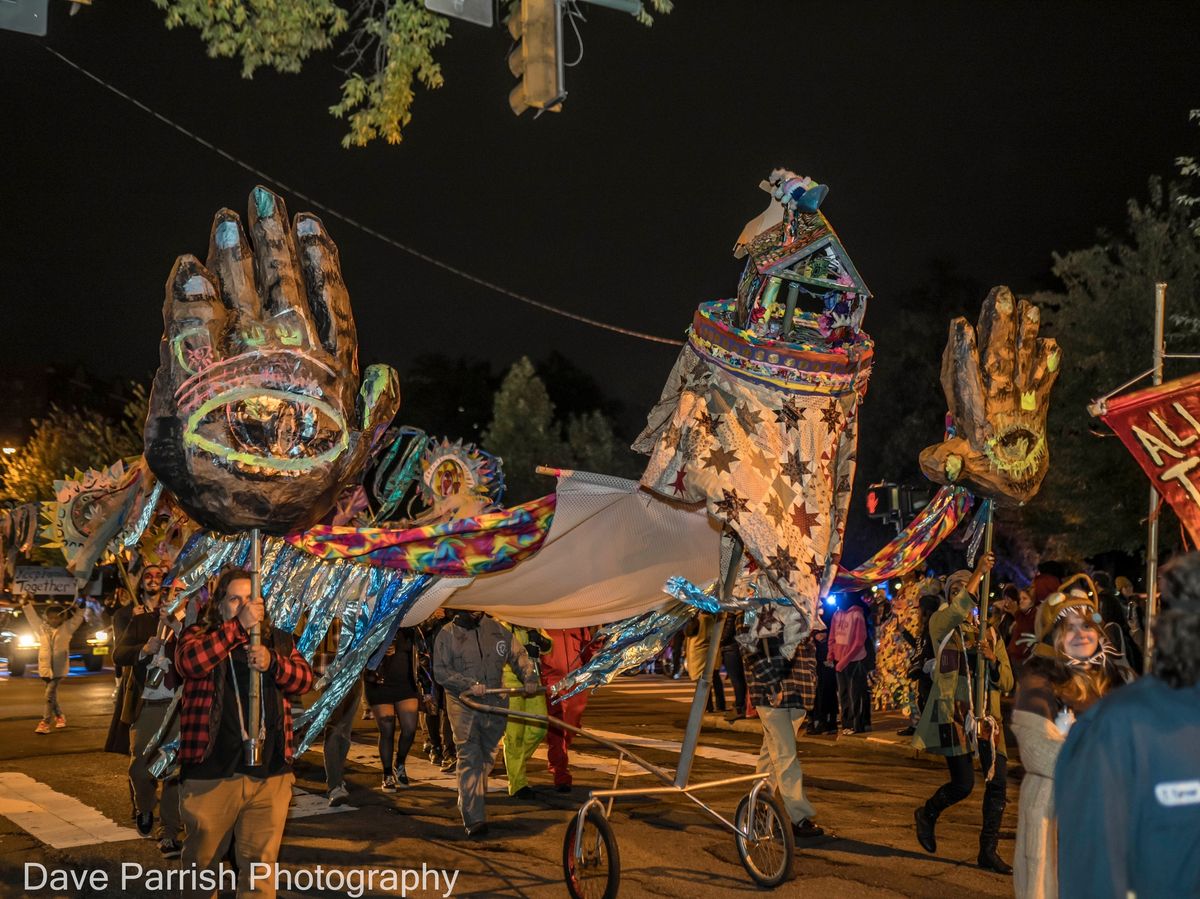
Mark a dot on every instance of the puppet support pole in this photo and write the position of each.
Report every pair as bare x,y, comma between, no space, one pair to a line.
985,592
1160,307
696,716
253,745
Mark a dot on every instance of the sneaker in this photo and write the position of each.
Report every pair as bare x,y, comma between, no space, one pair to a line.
450,764
389,783
338,796
806,829
436,759
60,721
562,788
847,731
401,777
526,792
906,731
477,831
42,728
170,848
145,824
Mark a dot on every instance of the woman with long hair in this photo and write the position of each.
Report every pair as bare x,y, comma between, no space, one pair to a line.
1071,666
393,694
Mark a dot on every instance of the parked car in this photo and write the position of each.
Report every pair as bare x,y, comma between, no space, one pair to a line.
19,640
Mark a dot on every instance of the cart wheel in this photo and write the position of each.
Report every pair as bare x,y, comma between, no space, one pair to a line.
596,875
768,857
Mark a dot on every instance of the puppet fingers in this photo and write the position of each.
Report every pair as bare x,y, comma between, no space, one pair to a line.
229,258
285,313
997,332
328,299
961,381
1029,319
193,317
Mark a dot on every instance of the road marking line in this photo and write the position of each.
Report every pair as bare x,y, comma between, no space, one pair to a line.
53,818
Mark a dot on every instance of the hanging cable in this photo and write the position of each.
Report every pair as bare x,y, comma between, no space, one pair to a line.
354,223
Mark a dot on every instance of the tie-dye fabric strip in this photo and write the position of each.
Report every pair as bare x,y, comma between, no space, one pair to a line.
466,547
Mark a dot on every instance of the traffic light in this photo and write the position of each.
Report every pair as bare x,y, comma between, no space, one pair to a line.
883,501
914,499
537,57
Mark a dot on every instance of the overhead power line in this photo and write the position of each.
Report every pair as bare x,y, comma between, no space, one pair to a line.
354,223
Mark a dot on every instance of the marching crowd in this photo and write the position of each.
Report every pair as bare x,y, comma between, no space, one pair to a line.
1109,797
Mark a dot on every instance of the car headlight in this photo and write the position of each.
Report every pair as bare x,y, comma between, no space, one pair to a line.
100,636
27,641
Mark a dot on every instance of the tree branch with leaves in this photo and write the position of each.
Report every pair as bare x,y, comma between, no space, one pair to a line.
389,49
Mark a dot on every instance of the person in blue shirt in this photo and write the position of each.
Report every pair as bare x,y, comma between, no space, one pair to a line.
1127,780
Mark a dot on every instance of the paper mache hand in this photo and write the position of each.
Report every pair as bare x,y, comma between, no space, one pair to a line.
998,403
257,417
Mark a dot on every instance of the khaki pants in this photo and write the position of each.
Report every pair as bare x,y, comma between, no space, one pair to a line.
250,810
145,784
778,757
477,736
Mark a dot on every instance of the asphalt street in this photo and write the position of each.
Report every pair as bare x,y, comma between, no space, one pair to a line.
64,804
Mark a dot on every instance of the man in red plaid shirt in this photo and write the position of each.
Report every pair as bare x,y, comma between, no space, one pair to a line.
221,797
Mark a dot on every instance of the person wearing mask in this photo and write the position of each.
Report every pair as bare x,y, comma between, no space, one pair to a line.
1127,780
1070,668
54,630
391,685
948,724
521,737
470,655
847,654
223,797
570,648
146,649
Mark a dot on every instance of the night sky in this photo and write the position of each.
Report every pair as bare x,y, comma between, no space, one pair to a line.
988,134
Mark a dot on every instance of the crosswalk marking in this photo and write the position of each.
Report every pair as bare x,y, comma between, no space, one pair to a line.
56,819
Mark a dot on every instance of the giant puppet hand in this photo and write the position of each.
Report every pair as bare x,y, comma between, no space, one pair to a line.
998,400
257,418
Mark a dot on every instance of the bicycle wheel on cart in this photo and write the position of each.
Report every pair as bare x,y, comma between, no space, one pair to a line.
596,873
769,853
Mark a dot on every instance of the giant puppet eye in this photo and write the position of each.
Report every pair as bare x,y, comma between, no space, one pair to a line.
271,421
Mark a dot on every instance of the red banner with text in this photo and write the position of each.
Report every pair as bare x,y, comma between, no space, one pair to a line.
1161,427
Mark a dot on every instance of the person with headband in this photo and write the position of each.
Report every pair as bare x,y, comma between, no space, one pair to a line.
1070,667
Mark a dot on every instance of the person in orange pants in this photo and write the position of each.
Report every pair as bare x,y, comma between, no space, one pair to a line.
569,650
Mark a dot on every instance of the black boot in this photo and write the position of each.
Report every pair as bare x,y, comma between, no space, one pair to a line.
925,824
926,816
989,835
